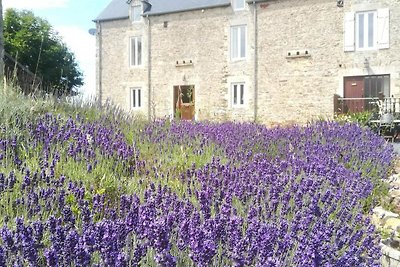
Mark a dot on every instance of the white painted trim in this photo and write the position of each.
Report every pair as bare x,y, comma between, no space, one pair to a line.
137,98
349,32
234,6
245,93
136,51
383,21
240,28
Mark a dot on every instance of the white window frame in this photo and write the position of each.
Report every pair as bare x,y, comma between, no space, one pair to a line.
135,56
238,4
135,97
240,100
236,40
381,30
136,17
365,29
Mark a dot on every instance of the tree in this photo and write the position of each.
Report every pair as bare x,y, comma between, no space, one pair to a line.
34,43
1,44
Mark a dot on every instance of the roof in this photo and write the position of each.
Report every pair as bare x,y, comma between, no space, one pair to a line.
159,7
119,9
116,9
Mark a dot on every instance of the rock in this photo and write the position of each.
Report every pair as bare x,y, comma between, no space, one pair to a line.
394,193
392,223
395,185
381,213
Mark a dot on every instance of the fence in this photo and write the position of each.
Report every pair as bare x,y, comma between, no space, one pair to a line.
373,104
20,75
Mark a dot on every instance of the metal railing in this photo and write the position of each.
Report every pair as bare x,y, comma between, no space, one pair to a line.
373,104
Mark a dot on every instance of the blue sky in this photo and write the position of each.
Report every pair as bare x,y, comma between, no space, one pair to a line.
72,19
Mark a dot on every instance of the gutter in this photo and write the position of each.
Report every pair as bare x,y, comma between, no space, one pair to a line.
110,19
149,66
255,81
185,10
100,41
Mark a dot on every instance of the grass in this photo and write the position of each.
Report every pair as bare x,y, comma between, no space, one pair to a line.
163,162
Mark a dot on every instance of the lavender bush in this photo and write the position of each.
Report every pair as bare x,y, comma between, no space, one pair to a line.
100,190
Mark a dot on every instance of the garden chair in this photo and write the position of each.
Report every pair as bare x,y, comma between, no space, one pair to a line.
386,126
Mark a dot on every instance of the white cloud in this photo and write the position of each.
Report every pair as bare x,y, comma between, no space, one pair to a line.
34,4
83,45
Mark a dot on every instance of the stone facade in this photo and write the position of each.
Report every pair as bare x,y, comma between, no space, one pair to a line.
288,88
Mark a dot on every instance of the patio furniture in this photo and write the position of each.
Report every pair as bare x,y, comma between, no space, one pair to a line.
386,127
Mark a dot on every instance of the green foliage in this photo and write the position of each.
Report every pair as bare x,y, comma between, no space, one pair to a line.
361,118
35,44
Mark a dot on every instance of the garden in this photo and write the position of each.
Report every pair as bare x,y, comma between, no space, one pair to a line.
80,186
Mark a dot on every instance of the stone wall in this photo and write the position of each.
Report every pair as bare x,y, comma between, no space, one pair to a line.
290,89
117,76
384,61
201,37
298,89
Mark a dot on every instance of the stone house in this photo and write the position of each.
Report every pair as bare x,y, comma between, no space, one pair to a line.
272,61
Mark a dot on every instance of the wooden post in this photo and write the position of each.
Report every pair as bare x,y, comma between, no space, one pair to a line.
335,103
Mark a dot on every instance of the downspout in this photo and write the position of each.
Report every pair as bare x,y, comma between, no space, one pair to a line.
99,85
255,82
149,66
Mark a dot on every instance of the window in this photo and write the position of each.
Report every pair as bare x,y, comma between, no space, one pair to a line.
237,94
136,51
374,85
136,13
366,30
238,42
136,98
238,4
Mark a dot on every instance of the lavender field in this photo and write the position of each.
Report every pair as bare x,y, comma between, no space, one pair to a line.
81,187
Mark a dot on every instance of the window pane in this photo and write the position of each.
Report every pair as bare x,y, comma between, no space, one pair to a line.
370,29
133,98
235,94
242,94
367,88
361,30
243,41
379,84
139,53
238,4
139,98
386,85
133,51
234,42
373,85
136,12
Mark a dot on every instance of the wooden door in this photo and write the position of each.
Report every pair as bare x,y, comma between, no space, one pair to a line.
354,89
184,102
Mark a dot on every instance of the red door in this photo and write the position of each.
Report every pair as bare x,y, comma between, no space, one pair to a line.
354,89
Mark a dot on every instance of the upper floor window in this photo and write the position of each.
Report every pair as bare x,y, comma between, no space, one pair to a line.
238,4
136,13
237,94
136,51
238,42
366,30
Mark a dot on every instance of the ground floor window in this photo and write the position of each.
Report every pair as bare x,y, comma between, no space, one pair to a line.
237,94
136,97
376,84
